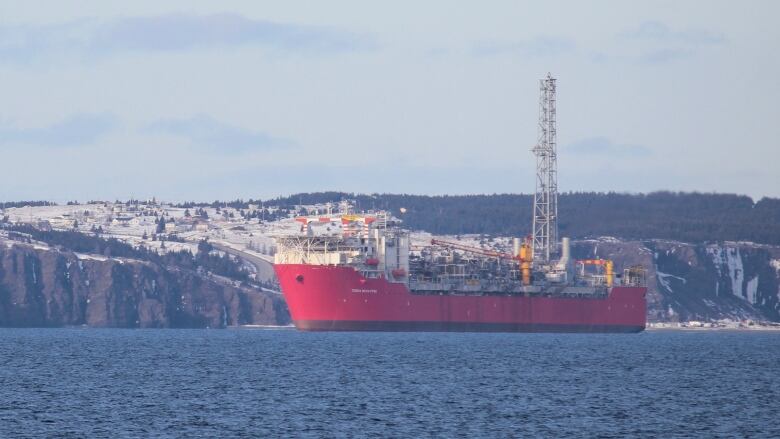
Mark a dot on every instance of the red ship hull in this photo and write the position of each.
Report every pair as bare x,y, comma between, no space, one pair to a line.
335,298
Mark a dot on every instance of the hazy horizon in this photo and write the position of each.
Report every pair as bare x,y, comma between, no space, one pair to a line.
226,200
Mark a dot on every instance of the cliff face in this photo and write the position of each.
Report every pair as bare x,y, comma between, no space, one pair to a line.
41,286
703,282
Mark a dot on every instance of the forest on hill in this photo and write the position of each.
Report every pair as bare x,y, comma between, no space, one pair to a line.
689,217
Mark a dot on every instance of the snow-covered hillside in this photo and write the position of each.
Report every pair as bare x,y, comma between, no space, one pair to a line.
137,224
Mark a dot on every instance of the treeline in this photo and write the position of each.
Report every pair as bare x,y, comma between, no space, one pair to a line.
689,217
262,210
235,204
13,204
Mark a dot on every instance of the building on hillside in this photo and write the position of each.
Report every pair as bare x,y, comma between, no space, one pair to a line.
61,222
122,221
184,227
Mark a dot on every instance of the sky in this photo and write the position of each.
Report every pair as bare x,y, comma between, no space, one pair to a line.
203,100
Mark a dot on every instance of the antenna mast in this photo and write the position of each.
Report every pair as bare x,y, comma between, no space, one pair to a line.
545,225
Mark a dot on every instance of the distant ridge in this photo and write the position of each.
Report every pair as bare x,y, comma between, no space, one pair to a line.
682,216
688,217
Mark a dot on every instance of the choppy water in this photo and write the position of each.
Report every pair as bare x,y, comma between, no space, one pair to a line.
231,383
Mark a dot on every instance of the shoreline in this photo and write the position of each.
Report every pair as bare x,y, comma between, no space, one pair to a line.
752,328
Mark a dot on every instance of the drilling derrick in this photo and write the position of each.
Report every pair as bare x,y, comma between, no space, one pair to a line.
545,220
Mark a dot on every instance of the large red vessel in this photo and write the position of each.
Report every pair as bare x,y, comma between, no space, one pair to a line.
362,271
332,298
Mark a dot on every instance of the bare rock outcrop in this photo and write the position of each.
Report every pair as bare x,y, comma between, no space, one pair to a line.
699,282
41,286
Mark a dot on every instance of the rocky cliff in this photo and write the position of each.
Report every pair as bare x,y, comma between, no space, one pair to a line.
44,286
41,285
701,282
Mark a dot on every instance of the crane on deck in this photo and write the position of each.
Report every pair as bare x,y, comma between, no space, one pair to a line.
471,249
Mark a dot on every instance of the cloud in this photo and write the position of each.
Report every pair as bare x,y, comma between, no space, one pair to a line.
171,32
660,44
601,146
657,31
214,136
76,130
666,55
187,31
537,47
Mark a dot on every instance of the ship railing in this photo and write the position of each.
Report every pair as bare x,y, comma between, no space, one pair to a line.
635,276
446,283
591,280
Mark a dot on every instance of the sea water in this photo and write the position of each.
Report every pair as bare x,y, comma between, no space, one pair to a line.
284,383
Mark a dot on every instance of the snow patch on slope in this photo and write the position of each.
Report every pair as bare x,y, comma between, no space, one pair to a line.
730,259
775,263
82,256
752,289
717,257
736,271
663,279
